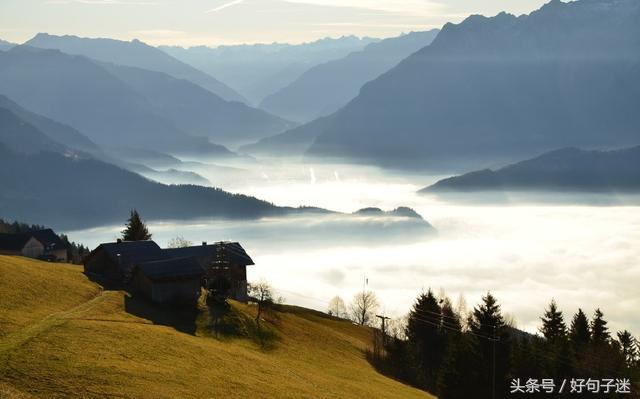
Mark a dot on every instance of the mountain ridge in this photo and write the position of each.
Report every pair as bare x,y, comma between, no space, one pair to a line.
567,170
133,53
477,93
57,131
334,83
257,70
198,111
86,97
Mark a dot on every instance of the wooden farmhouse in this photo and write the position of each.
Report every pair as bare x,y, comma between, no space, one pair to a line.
176,280
115,260
226,260
171,275
40,244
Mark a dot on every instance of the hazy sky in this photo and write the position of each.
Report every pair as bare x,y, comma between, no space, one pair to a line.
212,22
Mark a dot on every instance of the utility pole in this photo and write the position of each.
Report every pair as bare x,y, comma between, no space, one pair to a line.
493,379
384,330
378,351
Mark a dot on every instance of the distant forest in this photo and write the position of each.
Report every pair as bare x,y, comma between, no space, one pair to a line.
456,355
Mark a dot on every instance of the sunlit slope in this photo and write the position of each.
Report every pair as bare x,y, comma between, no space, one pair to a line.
31,290
92,347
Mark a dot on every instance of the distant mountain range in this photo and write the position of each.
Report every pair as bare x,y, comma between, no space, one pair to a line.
294,142
20,136
52,135
4,45
57,185
44,180
326,87
565,170
135,54
198,111
257,70
69,192
499,89
119,106
77,92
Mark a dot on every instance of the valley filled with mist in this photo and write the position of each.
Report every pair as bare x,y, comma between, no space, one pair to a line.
526,248
424,190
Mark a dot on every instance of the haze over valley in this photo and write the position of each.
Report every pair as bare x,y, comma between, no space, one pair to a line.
495,153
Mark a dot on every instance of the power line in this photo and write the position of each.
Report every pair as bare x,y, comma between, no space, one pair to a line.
424,312
447,325
459,330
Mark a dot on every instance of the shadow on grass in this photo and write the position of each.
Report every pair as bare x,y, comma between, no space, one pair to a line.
230,321
106,283
180,317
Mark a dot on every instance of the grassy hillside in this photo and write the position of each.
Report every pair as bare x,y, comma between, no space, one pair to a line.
61,335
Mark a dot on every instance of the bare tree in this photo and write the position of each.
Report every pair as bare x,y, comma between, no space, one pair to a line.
179,242
396,328
462,311
262,293
337,307
363,307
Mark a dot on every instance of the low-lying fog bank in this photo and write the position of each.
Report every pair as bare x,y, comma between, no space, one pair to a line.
524,252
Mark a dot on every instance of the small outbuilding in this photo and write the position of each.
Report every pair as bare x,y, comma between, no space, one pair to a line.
176,280
39,244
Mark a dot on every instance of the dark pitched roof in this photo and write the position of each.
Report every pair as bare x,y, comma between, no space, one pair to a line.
15,242
129,253
48,238
12,242
171,269
236,253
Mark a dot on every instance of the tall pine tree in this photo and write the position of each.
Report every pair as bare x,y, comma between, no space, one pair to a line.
554,330
628,348
426,341
599,331
553,327
579,333
491,347
135,229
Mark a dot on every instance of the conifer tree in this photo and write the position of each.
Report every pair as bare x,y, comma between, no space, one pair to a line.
490,336
558,363
450,319
455,356
423,332
553,326
487,317
135,229
458,373
599,331
628,348
579,333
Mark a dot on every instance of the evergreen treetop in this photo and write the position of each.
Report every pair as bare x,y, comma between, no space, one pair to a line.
553,326
486,319
135,229
599,330
579,332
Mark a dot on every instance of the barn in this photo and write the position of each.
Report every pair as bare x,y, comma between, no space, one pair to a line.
176,280
173,274
115,261
227,260
41,244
